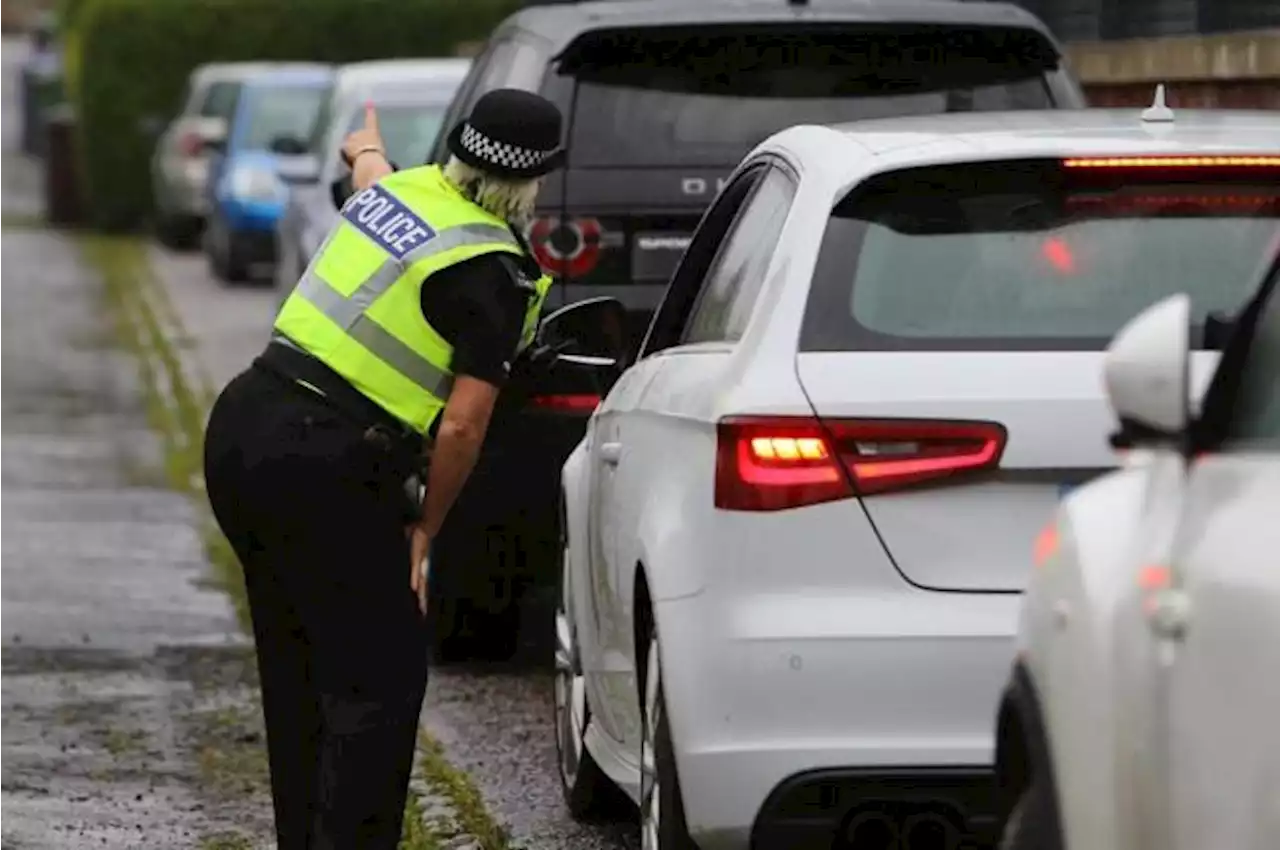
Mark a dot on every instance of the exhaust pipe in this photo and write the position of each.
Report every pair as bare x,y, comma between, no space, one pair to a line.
872,831
929,831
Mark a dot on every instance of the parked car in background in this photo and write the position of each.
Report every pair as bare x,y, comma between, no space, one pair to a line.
410,95
796,529
1141,709
265,150
180,163
662,99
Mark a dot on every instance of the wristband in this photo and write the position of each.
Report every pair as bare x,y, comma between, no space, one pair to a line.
366,149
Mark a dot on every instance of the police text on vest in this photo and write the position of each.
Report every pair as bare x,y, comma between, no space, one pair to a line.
386,220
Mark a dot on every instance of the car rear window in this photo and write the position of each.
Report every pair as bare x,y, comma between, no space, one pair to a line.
408,129
706,96
1034,254
278,111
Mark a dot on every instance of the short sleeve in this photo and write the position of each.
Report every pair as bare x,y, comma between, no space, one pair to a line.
479,309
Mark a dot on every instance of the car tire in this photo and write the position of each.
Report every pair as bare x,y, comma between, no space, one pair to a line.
220,249
178,232
662,820
1033,824
589,794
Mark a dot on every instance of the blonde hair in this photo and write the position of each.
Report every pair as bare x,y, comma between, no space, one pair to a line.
510,200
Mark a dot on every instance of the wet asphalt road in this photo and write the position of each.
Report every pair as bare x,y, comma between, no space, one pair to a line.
494,721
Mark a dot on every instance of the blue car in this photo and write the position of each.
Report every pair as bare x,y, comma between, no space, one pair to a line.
265,150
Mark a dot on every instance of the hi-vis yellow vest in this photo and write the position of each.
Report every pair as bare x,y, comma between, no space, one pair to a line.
357,307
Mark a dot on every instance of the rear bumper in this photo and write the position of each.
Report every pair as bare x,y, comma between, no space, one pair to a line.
253,246
789,708
935,807
184,191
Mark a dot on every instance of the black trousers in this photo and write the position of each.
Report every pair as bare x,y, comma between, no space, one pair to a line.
316,514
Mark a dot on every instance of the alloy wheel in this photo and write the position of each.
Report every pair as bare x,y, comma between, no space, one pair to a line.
570,694
650,784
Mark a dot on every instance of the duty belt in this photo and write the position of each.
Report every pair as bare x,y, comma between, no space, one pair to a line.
398,441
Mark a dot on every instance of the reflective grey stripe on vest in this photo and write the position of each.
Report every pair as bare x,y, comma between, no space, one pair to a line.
349,311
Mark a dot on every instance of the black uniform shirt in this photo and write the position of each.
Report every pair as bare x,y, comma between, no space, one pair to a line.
478,306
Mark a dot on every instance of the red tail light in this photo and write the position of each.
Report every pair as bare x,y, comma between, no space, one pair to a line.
190,143
566,403
566,248
775,463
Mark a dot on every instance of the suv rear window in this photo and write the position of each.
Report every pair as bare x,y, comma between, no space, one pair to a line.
706,96
1033,255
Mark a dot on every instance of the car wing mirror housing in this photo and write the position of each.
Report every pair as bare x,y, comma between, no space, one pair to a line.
1146,372
592,330
340,190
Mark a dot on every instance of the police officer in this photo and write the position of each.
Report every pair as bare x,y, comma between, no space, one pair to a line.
390,349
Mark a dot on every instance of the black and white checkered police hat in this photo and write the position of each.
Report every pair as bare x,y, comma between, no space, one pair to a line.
510,133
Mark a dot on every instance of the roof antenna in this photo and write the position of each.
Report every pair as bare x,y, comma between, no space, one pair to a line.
1158,110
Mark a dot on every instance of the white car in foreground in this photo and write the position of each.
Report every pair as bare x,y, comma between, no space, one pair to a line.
796,529
1143,707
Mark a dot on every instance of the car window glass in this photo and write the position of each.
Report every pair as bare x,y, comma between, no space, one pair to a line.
1031,255
668,322
220,100
1256,423
734,280
515,64
717,91
281,111
320,131
408,130
462,101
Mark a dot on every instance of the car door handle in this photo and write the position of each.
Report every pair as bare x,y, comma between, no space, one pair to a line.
610,452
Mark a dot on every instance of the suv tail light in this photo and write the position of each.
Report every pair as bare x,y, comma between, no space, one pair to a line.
566,248
775,463
190,143
582,403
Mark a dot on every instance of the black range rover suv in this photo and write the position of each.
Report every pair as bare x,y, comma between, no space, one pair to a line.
661,100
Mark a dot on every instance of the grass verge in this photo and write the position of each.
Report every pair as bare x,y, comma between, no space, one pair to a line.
146,324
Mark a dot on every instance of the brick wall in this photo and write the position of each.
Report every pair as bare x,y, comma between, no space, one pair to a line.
1236,70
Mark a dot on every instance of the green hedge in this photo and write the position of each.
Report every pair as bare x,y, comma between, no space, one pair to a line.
68,13
133,58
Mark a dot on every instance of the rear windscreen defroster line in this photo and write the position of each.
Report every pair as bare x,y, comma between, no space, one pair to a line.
706,95
1032,255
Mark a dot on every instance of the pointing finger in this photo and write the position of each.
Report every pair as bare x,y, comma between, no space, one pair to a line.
370,116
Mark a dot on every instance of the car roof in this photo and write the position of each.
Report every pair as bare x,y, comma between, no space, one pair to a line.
367,79
561,24
232,71
392,70
301,73
845,151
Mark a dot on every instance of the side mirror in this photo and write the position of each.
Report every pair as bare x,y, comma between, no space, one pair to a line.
593,329
287,145
1147,374
340,190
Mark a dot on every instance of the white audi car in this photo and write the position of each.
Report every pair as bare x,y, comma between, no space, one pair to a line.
1142,709
796,530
